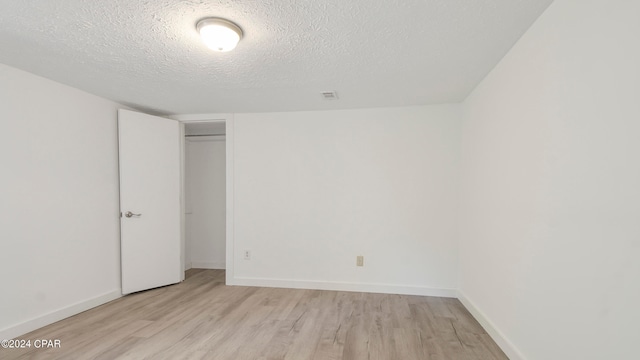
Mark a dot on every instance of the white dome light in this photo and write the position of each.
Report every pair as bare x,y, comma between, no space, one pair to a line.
219,34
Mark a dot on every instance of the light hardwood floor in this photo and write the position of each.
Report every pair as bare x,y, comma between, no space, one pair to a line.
202,318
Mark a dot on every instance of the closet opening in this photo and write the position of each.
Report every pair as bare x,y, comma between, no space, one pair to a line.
205,195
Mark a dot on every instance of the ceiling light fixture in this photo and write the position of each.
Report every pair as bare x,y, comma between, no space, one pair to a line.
219,34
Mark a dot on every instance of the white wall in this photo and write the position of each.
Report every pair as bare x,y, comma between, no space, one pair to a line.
550,223
313,190
205,207
59,203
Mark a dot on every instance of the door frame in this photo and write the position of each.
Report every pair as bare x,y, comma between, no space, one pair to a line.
227,119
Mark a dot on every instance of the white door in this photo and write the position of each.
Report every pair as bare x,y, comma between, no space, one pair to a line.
150,180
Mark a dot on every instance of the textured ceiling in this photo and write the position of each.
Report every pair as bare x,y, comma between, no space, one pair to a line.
147,53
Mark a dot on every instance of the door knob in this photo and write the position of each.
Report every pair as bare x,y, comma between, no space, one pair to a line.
130,214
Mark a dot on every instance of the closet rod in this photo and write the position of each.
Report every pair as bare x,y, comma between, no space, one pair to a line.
205,135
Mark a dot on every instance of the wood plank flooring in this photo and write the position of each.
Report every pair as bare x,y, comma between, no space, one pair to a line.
202,318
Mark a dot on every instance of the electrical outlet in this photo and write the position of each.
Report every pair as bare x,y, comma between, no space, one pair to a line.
247,254
360,260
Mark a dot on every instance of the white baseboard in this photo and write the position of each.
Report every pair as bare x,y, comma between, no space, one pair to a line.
22,328
344,286
217,265
507,346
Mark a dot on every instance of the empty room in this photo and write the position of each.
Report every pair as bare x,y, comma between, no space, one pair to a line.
331,179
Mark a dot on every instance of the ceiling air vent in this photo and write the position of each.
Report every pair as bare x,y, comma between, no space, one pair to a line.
329,95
